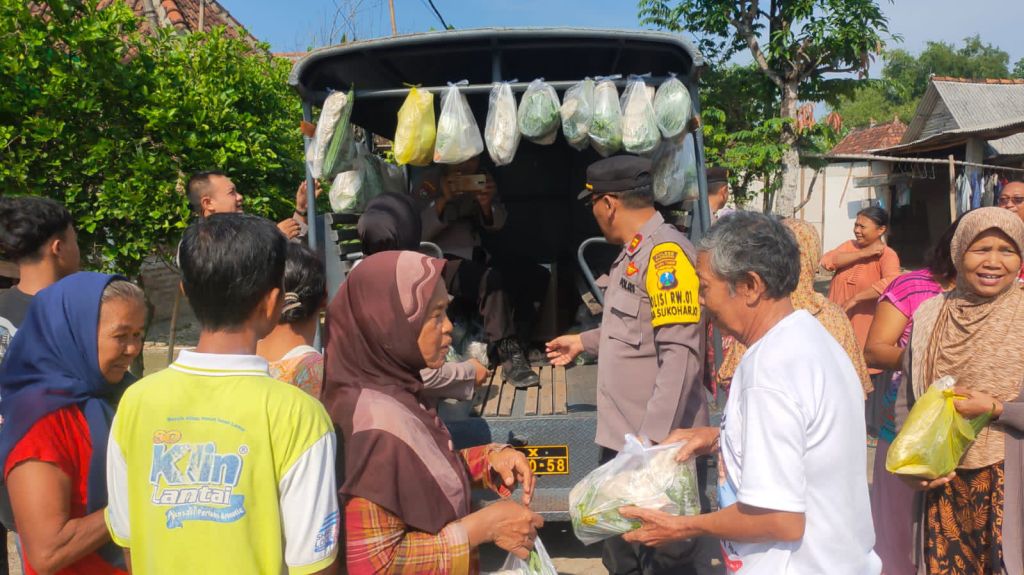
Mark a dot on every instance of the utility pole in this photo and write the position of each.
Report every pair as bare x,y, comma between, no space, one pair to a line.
394,29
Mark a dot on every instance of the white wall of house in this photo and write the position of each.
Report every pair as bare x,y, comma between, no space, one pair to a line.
832,202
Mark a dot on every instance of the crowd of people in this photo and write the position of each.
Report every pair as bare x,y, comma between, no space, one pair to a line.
257,453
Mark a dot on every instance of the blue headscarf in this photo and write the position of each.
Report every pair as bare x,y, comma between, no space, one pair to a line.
52,363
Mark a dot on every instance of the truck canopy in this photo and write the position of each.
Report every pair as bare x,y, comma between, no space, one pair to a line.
381,70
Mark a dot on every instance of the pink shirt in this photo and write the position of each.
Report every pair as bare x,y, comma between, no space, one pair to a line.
874,273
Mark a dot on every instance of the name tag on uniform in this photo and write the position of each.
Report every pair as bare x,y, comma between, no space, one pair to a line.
672,286
627,286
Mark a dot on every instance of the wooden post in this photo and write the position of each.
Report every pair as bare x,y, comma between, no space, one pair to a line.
952,189
394,29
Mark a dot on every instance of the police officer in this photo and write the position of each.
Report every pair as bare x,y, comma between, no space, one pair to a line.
650,342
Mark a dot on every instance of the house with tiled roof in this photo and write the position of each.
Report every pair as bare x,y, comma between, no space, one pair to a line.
965,140
185,16
863,140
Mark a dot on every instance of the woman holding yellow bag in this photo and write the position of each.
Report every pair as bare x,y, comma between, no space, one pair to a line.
970,523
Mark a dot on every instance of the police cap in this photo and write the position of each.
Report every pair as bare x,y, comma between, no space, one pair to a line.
617,174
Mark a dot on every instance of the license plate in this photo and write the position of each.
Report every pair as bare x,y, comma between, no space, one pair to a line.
547,459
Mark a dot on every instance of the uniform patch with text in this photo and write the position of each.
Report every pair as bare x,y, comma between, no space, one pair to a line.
672,286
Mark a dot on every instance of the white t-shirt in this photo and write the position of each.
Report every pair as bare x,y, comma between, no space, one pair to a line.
793,439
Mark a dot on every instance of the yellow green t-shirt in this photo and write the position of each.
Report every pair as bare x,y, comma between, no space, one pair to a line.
215,467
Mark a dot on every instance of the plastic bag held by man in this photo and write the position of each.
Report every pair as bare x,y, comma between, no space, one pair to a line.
333,149
672,107
640,475
414,136
606,128
539,113
577,113
458,136
640,133
538,563
501,132
935,436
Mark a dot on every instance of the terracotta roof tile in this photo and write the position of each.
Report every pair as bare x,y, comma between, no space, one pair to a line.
979,80
861,140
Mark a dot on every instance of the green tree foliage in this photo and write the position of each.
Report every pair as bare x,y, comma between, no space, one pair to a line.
112,124
795,44
905,78
1018,69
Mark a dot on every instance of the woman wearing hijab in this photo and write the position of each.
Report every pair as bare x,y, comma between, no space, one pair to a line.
60,375
830,315
972,520
406,491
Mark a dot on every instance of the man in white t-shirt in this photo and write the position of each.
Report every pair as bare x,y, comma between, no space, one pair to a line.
792,475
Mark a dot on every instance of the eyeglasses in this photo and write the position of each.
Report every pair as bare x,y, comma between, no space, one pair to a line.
594,198
1015,200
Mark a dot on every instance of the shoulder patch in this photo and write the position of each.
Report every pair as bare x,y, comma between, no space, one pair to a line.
672,286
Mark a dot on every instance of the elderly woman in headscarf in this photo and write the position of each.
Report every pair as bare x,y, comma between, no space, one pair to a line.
972,521
65,366
406,491
830,315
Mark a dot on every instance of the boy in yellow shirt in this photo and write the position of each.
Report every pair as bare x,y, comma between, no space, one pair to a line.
212,465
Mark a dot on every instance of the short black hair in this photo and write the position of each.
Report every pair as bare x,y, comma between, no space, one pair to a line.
939,258
229,262
305,284
637,198
27,223
877,215
197,187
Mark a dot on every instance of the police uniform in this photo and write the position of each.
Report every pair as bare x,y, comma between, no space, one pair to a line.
650,348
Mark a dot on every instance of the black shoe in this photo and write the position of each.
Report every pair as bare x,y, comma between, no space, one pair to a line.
515,369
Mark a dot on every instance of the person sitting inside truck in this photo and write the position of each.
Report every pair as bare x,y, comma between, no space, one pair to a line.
390,222
406,493
458,202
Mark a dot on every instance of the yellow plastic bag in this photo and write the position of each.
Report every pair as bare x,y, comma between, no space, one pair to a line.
414,136
935,436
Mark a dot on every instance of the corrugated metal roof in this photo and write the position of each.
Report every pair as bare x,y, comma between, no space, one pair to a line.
975,104
1009,146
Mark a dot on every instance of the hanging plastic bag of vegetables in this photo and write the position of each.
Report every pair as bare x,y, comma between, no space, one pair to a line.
333,149
672,107
606,127
501,132
414,135
577,113
640,133
538,113
458,136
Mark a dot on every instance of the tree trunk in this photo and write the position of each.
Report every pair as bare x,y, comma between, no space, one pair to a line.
786,198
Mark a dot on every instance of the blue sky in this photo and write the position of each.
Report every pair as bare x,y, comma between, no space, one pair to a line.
298,24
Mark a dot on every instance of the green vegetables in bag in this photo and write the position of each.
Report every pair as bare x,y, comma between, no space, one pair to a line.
539,113
606,128
578,113
672,107
640,133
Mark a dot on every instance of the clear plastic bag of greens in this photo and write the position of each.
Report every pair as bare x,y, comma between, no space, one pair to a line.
640,475
415,133
458,136
640,133
672,107
539,113
675,171
538,563
577,113
501,132
352,190
935,436
333,148
606,127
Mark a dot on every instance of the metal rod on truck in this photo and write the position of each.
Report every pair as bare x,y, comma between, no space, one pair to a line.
307,115
560,85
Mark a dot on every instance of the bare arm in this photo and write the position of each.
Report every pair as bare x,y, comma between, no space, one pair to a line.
737,522
41,498
836,259
882,350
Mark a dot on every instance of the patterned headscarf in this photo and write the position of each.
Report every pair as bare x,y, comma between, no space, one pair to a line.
397,452
972,338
